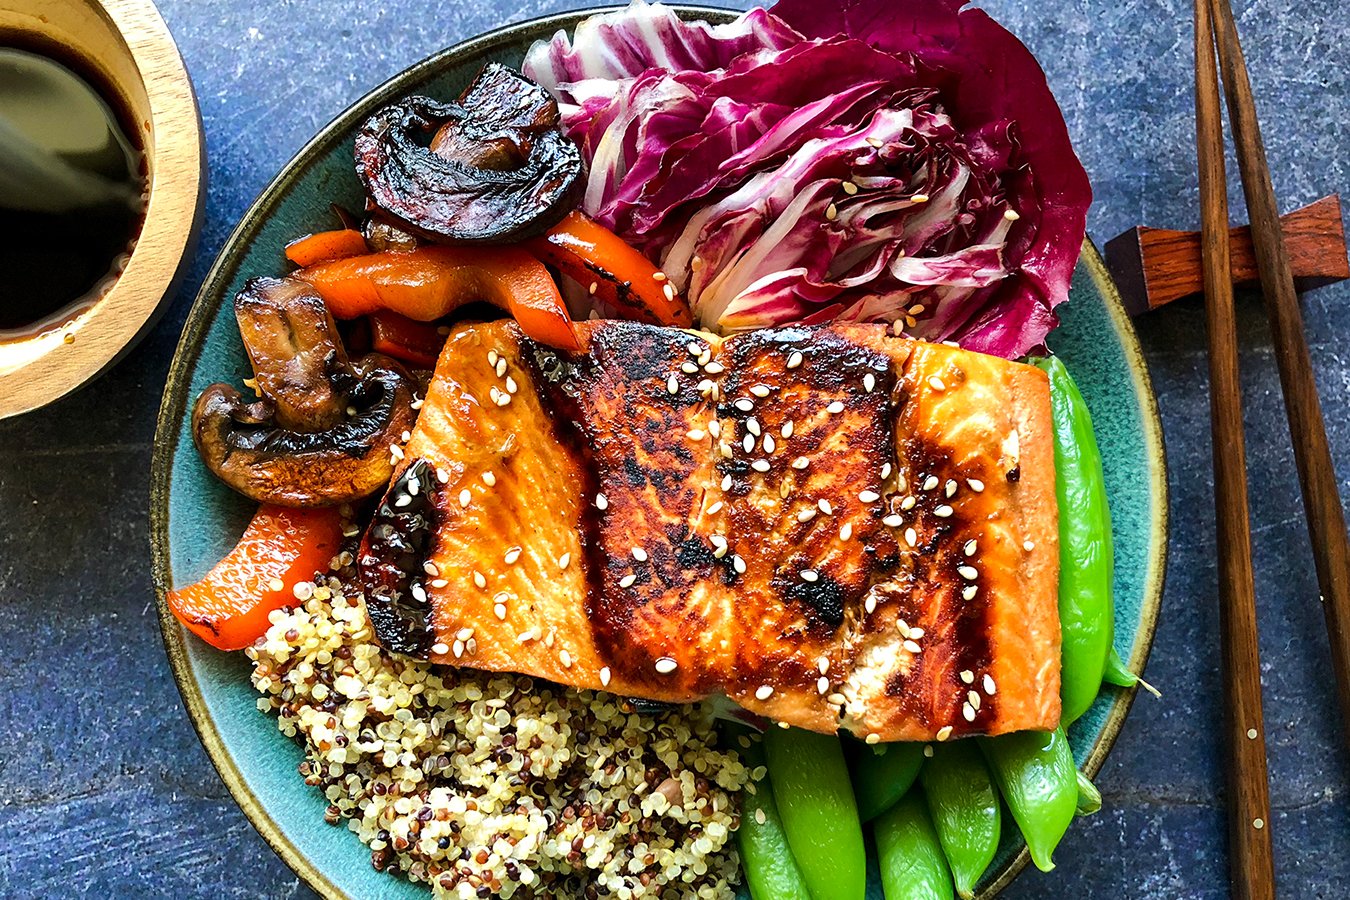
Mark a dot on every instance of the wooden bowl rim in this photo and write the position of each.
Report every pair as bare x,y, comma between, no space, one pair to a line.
99,336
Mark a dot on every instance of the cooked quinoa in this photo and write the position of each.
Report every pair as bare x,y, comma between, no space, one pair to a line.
488,785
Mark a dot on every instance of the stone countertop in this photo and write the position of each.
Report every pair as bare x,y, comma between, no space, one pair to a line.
104,789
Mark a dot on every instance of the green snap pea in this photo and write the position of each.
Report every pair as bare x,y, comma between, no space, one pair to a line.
1089,798
1036,775
964,807
820,817
771,872
910,857
882,773
1086,565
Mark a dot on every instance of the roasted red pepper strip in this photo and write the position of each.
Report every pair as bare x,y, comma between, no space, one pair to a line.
325,245
625,279
280,548
416,343
429,282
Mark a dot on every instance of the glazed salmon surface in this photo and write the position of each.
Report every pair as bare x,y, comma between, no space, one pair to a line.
834,527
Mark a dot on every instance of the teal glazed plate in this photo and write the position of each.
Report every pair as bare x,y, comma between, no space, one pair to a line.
195,520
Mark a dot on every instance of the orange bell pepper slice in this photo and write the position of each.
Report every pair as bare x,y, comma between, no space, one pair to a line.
325,245
429,282
626,280
416,343
280,548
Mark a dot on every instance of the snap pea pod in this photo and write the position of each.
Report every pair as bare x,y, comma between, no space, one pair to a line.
910,857
1035,773
964,808
1086,566
1116,673
771,872
1089,798
882,773
820,818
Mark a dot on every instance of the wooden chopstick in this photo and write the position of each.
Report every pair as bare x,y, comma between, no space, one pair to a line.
1317,475
1252,870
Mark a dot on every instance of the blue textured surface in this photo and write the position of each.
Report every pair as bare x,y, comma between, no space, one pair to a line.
104,789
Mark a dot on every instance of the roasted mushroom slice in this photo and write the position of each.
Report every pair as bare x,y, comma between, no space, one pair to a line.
321,432
498,170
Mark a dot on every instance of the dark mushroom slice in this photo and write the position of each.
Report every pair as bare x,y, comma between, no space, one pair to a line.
322,431
498,170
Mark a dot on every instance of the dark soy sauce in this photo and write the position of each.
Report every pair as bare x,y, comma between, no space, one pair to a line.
72,193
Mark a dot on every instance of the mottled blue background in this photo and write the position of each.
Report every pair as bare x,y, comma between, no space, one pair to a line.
104,790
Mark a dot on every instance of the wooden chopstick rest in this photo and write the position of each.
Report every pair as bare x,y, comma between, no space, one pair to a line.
1154,266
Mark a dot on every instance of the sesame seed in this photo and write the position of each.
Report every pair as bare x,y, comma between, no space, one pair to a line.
970,547
911,537
975,484
672,385
806,515
464,634
726,482
917,309
704,386
492,357
825,507
705,356
849,188
831,212
869,382
764,692
902,627
715,428
1011,215
875,142
479,581
604,676
689,368
431,568
810,575
668,291
511,556
967,676
928,751
402,500
405,437
822,684
717,540
835,407
465,496
500,610
893,521
511,386
565,658
658,275
950,487
694,348
504,400
748,443
794,359
973,698
744,404
989,687
845,531
760,390
760,465
869,496
639,554
712,510
1028,546
944,732
627,580
439,582
752,426
910,321
936,383
912,646
595,286
769,445
526,636
836,699
276,584
930,482
725,449
440,648
714,368
443,475
784,488
969,592
920,198
396,451
908,502
942,512
416,404
969,573
822,664
967,712
801,462
696,434
601,502
665,665
870,604
738,564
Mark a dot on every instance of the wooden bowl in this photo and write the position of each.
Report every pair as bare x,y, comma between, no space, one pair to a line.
128,47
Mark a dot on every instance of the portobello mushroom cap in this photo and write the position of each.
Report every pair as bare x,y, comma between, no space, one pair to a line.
494,168
321,432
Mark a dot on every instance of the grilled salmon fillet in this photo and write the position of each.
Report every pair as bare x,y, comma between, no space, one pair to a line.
834,527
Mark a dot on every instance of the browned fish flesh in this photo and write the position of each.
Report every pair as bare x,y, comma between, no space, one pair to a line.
834,527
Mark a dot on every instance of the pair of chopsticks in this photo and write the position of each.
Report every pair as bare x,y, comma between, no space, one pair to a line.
1249,801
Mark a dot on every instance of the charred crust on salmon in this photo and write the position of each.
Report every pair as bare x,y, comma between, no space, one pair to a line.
393,553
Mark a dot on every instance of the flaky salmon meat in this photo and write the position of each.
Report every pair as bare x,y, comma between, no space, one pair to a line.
834,527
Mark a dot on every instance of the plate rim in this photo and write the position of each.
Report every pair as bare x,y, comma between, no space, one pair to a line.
173,405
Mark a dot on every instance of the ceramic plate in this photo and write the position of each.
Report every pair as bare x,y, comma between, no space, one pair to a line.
196,520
